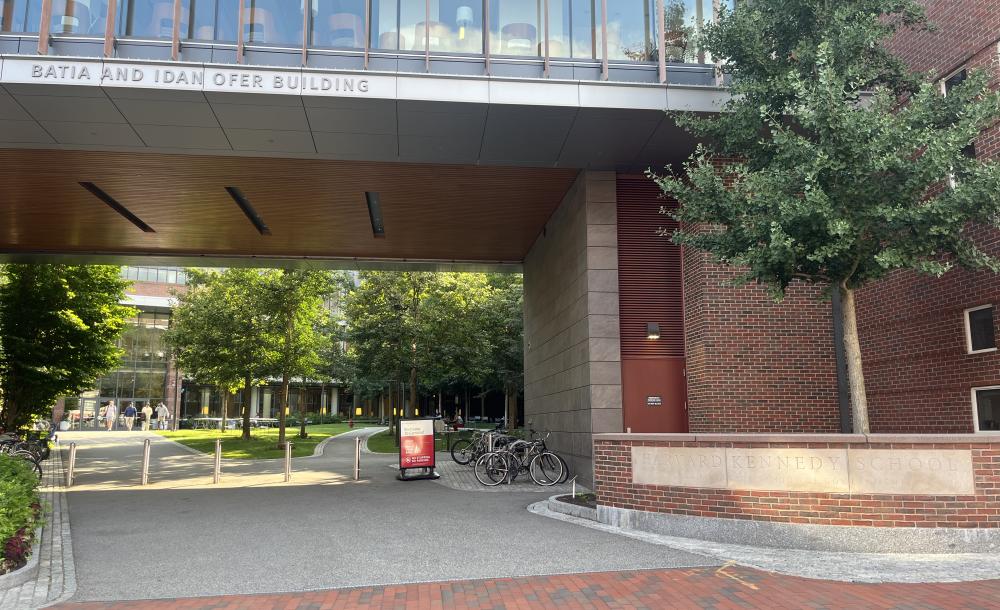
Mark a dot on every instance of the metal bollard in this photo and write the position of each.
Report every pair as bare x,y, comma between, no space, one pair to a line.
217,471
288,462
72,464
357,458
145,462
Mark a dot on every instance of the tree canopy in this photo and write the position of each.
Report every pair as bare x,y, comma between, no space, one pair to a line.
832,163
59,330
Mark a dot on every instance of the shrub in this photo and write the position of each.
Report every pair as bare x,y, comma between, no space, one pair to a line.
19,510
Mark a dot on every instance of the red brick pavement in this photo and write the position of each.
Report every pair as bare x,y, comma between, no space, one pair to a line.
716,588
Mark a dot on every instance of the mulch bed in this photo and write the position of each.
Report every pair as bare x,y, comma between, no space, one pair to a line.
585,500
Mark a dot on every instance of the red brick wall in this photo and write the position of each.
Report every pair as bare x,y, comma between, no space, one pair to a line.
919,376
614,487
754,365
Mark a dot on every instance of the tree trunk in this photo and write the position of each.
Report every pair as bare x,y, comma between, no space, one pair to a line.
413,391
852,352
440,410
506,407
225,409
302,413
482,405
247,392
282,410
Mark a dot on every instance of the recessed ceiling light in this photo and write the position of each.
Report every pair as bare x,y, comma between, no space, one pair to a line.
248,210
114,205
375,213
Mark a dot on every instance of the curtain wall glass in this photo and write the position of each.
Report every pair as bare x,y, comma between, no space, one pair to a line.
516,27
273,22
84,17
19,15
210,20
150,18
337,23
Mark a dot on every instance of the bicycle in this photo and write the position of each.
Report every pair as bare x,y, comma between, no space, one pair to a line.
519,456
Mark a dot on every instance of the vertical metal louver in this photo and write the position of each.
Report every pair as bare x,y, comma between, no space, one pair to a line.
650,282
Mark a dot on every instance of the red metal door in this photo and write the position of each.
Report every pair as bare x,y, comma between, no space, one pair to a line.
654,395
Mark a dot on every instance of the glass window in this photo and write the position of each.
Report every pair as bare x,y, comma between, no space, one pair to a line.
273,22
212,20
338,23
455,26
150,18
980,329
632,30
86,17
14,15
988,409
515,26
682,19
385,26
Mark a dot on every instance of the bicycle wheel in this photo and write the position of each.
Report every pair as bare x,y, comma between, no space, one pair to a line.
30,459
491,469
461,451
565,476
546,469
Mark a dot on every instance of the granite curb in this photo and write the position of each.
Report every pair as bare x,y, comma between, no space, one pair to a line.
822,565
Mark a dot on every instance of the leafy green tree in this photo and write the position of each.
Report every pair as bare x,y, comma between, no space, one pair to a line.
505,321
59,328
844,157
294,300
456,331
220,333
386,338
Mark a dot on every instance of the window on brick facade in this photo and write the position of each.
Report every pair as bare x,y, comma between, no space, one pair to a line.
980,332
947,85
987,405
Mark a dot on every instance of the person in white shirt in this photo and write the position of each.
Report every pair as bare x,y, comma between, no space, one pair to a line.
110,413
162,416
147,414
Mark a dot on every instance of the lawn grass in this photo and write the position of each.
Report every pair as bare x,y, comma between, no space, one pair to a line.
263,443
384,442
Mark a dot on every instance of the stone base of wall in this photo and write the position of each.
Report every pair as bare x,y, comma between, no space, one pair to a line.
837,538
854,492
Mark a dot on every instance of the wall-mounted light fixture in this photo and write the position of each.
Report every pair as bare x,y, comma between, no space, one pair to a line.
652,330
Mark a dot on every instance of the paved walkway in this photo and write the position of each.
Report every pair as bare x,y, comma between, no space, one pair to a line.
55,578
723,587
182,536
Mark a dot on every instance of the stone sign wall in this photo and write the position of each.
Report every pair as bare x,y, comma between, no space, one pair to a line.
864,480
840,470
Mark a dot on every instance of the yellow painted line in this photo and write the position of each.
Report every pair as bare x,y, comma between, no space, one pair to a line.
722,572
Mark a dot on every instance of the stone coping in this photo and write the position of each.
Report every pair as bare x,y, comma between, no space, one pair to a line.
871,439
26,572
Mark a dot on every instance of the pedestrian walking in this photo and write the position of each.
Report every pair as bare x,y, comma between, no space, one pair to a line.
110,413
162,416
129,414
147,414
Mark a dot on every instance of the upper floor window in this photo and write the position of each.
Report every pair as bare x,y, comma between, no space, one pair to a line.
986,409
947,85
19,15
980,329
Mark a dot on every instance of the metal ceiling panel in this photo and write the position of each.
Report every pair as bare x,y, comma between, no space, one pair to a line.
23,132
76,109
98,134
243,116
266,140
177,137
160,112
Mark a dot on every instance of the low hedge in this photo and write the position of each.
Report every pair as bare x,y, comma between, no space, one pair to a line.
20,510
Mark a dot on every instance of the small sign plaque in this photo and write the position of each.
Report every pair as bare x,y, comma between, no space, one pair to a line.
654,401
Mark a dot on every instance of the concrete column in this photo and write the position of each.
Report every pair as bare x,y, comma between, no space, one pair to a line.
572,352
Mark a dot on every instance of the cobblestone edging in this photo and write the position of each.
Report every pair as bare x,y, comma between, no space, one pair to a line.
55,577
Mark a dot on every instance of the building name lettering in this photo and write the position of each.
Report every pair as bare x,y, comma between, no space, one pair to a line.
196,78
833,470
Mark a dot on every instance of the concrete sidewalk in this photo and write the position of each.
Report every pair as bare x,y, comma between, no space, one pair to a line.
183,536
